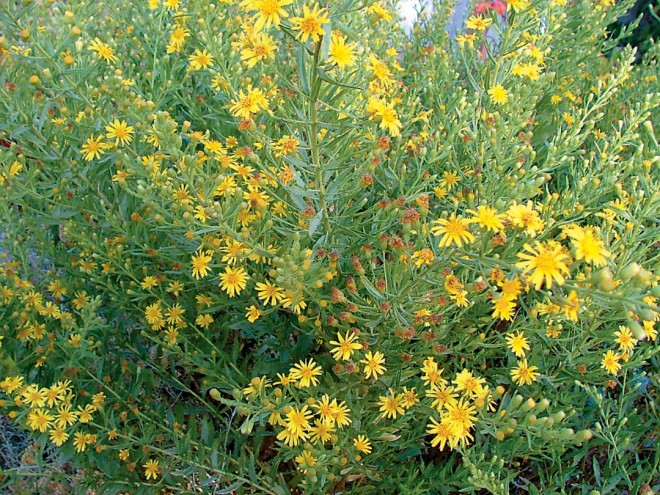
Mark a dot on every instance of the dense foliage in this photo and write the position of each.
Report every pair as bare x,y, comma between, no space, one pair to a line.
278,246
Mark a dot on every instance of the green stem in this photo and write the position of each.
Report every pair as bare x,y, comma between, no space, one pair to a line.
316,86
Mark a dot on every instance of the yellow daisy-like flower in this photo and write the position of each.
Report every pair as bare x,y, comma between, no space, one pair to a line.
391,405
468,383
305,373
478,23
103,51
340,52
546,263
442,396
310,24
362,444
460,416
248,103
498,94
517,343
373,364
442,432
252,313
269,293
503,308
233,281
93,148
151,469
38,419
120,131
588,246
423,257
610,362
524,374
261,48
58,436
487,217
517,5
453,230
345,346
625,339
200,264
269,13
200,60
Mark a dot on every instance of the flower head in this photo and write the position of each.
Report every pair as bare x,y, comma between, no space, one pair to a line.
524,374
373,364
310,24
546,263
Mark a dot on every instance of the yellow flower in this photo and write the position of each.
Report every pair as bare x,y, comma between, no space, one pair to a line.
200,263
34,397
478,22
154,315
423,257
58,436
503,308
610,362
175,314
373,364
261,48
103,51
321,431
385,114
305,373
248,103
340,52
391,405
546,263
498,94
269,12
340,413
517,343
204,321
65,416
80,440
410,397
120,131
362,444
269,293
432,375
443,433
625,339
311,24
526,217
517,5
468,383
441,396
460,416
487,217
200,60
380,71
151,469
38,419
453,230
345,346
297,420
305,460
588,246
253,313
93,148
524,374
233,281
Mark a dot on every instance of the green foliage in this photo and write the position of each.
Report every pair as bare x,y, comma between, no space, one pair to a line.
314,255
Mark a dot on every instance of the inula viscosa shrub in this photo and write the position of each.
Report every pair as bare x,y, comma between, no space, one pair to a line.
280,246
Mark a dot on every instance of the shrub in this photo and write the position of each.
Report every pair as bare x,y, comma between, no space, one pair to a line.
278,246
